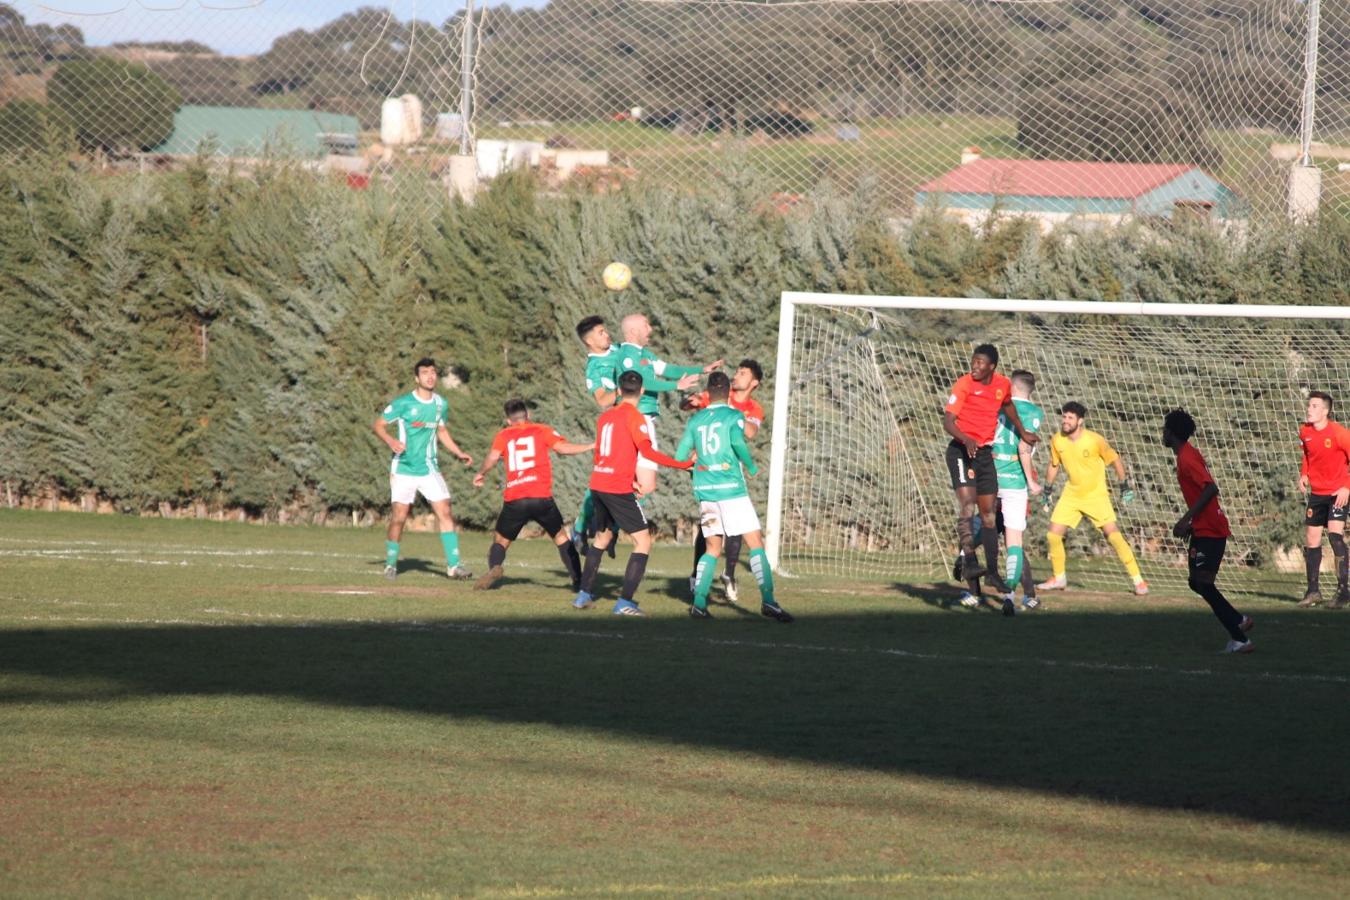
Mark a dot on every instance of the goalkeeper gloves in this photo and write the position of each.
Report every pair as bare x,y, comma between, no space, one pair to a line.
1126,492
1046,501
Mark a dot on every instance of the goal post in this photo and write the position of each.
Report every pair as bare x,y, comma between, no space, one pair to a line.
857,483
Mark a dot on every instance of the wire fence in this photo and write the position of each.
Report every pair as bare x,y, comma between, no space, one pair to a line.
1088,108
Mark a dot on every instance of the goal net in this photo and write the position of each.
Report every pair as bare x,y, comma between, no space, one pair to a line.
858,486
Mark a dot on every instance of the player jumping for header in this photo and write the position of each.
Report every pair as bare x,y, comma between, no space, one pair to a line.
1325,477
971,418
421,418
1085,455
635,356
528,493
717,435
1206,527
621,434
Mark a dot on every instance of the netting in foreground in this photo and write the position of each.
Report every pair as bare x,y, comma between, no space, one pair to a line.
866,493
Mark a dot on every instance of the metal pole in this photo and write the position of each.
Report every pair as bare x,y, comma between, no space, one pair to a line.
466,80
1310,80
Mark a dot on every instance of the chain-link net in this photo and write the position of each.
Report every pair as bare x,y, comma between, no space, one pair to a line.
867,493
882,93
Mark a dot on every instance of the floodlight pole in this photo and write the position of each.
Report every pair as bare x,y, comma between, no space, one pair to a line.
1309,80
466,80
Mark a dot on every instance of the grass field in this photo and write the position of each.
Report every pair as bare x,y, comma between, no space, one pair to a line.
192,708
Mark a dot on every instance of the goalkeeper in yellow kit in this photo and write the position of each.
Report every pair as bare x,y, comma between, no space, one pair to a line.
1085,455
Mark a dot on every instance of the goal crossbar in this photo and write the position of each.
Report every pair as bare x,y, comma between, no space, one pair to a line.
784,377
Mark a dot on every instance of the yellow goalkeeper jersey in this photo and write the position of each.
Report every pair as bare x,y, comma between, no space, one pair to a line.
1084,461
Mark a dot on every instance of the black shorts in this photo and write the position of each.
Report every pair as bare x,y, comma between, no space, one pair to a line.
1205,554
979,472
516,514
618,509
1320,510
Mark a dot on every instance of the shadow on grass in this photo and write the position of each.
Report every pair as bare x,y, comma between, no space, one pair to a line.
1064,704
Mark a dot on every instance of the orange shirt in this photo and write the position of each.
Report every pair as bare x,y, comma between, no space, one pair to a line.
1193,475
976,405
1326,457
529,468
620,435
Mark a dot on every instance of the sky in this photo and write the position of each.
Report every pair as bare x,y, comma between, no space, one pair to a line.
230,26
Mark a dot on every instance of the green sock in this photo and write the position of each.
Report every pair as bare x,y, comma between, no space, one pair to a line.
1013,568
391,553
450,541
584,517
759,564
703,574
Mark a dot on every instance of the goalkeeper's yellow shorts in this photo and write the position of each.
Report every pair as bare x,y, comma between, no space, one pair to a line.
1071,508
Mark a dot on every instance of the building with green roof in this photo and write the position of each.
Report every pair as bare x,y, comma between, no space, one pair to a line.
248,132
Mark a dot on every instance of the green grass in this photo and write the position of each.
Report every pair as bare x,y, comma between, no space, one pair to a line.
191,708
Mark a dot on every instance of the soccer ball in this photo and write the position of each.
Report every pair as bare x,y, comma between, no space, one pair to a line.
617,276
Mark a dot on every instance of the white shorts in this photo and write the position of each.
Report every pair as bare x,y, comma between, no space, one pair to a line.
405,488
1013,504
643,462
727,518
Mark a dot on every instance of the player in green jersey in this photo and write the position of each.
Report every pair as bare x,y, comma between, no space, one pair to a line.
1016,479
716,435
635,356
421,417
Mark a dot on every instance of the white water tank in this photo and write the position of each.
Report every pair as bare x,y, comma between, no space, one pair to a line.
391,122
401,120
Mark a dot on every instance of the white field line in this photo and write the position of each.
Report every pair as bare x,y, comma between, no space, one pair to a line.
138,556
544,631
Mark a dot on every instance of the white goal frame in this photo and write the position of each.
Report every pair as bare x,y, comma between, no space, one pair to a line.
783,375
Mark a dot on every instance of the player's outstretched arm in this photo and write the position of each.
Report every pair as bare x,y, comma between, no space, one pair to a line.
567,448
493,455
381,430
645,447
448,443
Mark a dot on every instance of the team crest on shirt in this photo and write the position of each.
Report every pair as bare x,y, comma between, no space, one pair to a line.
998,394
1328,443
1086,453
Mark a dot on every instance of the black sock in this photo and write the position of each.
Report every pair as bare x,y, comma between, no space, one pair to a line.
700,548
732,553
593,556
989,537
571,561
1312,561
632,577
496,555
1223,610
1028,580
1342,554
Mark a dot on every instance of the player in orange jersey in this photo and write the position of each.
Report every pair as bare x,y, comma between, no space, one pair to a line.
528,494
1325,477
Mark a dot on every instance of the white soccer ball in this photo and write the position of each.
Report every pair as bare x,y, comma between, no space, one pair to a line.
617,276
